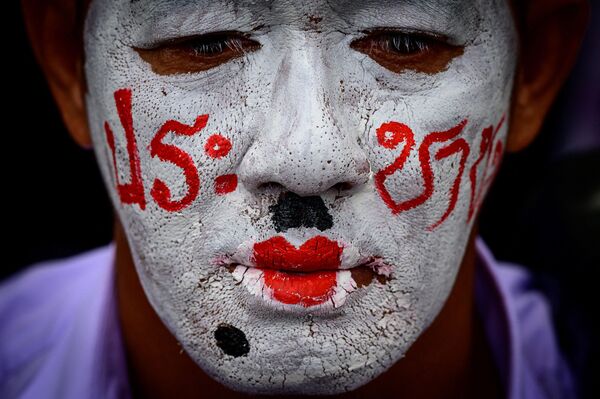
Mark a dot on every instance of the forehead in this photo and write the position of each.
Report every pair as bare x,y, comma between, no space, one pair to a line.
341,12
293,6
457,20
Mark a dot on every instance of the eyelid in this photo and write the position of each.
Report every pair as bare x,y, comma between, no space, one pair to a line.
179,56
417,34
432,58
176,41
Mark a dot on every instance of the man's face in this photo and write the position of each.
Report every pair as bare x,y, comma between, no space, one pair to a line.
298,179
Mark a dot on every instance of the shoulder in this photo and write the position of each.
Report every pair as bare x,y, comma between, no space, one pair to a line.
41,290
41,306
535,366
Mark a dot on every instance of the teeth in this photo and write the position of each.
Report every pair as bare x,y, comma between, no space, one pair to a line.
249,277
351,256
238,273
252,279
380,267
345,285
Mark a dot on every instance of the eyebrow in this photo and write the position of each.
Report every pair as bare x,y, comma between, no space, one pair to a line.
159,20
161,4
456,15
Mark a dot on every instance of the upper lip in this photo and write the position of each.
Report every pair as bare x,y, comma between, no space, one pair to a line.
318,253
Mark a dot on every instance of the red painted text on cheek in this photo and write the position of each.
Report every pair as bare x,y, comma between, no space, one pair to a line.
216,147
132,192
170,153
488,136
392,134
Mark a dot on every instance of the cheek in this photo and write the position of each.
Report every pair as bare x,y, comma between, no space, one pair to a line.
475,156
170,144
435,152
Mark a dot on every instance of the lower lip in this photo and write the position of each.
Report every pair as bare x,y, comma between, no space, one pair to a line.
288,290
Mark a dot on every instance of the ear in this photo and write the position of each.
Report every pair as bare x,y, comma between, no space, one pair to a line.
551,34
56,35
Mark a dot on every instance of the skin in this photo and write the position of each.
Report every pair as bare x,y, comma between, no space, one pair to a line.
432,354
310,108
451,359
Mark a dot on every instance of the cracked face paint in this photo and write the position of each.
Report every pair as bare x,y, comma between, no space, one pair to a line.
298,200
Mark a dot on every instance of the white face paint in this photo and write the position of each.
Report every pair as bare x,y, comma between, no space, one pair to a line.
310,113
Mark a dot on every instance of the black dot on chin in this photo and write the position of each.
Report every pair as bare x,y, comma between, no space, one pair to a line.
231,340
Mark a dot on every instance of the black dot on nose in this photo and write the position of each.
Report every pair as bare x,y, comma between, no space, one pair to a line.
231,340
292,210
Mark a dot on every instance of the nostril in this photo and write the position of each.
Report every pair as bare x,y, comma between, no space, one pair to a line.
342,186
271,186
363,167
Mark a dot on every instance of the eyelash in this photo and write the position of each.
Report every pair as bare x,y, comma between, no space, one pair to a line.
394,50
408,44
212,46
400,51
400,43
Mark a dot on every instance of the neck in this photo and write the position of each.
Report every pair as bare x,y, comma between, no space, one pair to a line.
450,359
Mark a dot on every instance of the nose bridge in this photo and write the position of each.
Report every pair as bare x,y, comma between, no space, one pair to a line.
300,97
299,90
306,151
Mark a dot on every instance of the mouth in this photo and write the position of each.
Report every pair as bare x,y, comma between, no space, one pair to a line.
319,274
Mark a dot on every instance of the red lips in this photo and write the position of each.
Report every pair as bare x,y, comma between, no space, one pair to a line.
317,253
316,259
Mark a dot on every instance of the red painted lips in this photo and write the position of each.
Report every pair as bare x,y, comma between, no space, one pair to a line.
314,262
317,253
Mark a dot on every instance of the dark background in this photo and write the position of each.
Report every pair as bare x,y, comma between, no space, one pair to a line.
543,210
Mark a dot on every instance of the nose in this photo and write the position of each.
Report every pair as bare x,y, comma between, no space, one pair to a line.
301,147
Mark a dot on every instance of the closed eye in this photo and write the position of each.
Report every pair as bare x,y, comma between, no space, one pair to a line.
197,53
399,51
